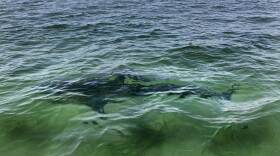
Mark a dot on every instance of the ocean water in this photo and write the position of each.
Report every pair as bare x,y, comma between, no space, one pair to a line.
211,44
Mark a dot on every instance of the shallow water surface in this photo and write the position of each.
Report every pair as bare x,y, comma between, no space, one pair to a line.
210,44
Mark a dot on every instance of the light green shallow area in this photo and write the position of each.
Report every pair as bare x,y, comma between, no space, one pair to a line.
209,44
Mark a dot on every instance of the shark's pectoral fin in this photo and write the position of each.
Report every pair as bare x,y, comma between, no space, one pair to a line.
97,104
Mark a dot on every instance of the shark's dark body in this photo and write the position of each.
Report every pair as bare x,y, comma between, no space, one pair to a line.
96,93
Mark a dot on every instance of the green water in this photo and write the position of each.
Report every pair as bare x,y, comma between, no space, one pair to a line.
207,43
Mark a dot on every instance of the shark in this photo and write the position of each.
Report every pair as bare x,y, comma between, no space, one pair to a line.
97,92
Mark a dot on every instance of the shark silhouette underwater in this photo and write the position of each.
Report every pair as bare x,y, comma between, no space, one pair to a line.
97,92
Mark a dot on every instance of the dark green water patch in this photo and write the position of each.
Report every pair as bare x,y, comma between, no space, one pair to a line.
21,128
243,137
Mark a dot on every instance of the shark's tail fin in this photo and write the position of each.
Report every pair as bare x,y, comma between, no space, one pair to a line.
227,95
234,87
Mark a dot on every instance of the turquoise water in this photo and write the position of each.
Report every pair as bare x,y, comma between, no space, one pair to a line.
207,43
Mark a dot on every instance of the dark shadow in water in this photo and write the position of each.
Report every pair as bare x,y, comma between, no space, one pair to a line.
237,137
18,128
137,139
97,92
147,137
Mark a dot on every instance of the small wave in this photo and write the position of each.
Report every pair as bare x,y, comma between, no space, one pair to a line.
57,26
262,19
190,47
